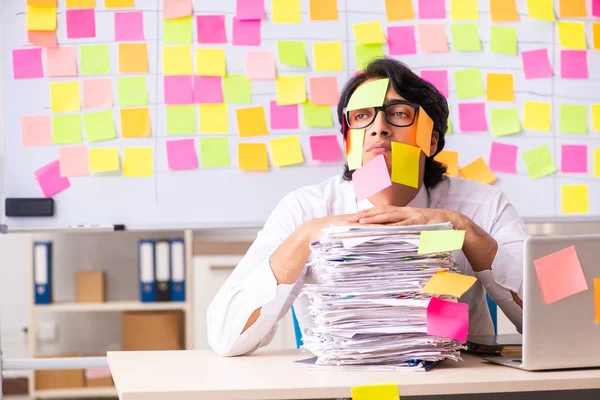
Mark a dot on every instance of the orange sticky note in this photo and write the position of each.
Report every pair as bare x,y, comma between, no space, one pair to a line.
251,121
450,160
42,3
253,157
597,298
424,131
478,171
382,391
81,3
135,122
323,10
504,10
560,275
443,282
399,10
119,3
596,34
43,39
500,87
572,9
133,57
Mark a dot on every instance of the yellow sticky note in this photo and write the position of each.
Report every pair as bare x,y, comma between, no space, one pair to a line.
572,9
537,116
478,171
42,3
424,131
251,121
119,3
597,162
596,116
213,118
596,35
572,35
133,57
399,10
210,62
354,148
137,162
104,160
286,12
541,9
286,151
291,90
448,283
369,33
253,157
65,96
81,3
597,299
405,164
41,18
464,10
500,87
382,391
177,60
504,10
575,199
323,10
328,56
450,160
135,122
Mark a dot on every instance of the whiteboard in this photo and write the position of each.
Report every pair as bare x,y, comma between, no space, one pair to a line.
228,197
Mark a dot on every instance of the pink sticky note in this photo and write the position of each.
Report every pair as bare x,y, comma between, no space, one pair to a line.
250,9
573,64
129,26
211,29
324,90
74,161
432,38
503,157
42,38
284,117
81,24
574,158
439,79
472,117
432,9
27,63
448,319
177,8
401,40
49,179
97,93
371,178
560,275
181,154
36,131
536,64
208,89
260,65
246,33
596,8
61,61
179,89
325,148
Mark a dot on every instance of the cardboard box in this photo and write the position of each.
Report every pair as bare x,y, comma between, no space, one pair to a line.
98,377
156,330
90,287
59,379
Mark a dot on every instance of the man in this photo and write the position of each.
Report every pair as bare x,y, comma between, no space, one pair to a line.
243,315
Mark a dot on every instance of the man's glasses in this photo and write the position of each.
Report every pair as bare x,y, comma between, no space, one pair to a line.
397,113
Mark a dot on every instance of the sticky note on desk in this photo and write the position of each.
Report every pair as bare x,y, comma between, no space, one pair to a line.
371,178
369,33
382,391
41,18
104,160
440,241
405,164
49,179
253,157
138,162
251,121
370,94
448,319
560,275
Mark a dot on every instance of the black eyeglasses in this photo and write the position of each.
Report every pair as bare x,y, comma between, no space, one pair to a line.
398,113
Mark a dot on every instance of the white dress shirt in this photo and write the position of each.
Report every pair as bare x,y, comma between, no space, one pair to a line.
252,284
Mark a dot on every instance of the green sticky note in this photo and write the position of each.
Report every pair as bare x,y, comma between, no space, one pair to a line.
292,52
504,40
181,120
132,91
177,31
317,116
66,129
573,118
214,152
505,121
366,53
440,241
465,37
469,83
99,126
539,162
237,89
95,59
370,94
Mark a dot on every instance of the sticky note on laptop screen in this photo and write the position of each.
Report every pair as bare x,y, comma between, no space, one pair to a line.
560,275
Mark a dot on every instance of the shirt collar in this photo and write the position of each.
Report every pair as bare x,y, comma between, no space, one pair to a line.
421,200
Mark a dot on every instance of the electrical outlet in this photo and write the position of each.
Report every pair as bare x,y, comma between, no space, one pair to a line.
47,332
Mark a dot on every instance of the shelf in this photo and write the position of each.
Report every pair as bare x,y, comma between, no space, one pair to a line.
110,306
86,392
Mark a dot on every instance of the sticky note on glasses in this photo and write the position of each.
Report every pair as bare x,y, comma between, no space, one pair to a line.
354,148
424,131
370,94
405,164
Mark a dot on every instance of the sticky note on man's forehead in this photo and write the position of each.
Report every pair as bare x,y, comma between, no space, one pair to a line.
370,94
424,131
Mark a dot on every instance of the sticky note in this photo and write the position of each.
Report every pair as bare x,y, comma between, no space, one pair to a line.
401,40
178,31
181,154
237,89
371,178
505,121
537,116
132,91
292,52
290,89
504,10
432,38
448,319
251,121
181,120
129,26
541,9
135,122
596,8
99,126
424,131
177,60
572,35
213,118
210,62
286,151
286,11
323,10
572,9
324,90
95,59
597,162
61,61
388,391
573,118
465,37
536,64
500,87
369,33
472,117
208,89
104,160
596,34
66,129
214,152
81,24
260,65
179,89
597,299
575,199
65,96
439,79
574,158
432,9
283,117
478,171
445,283
253,157
119,3
354,148
49,179
41,18
450,160
405,164
503,157
468,83
138,162
398,10
539,162
370,94
503,40
250,9
327,56
211,29
464,10
42,38
596,116
42,3
560,275
81,3
27,63
326,148
317,116
365,53
246,32
73,161
573,64
36,131
133,58
97,93
176,8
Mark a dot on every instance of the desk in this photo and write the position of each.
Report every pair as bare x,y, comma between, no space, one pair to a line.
267,375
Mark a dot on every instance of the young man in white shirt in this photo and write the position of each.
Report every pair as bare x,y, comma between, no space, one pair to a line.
243,315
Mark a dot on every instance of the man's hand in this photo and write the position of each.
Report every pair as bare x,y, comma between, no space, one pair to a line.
401,216
313,228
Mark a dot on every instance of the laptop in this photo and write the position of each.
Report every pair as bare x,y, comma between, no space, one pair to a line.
563,334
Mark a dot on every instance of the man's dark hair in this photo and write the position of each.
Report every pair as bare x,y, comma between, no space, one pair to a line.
414,89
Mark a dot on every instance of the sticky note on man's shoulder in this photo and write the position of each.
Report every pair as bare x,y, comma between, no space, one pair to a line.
382,391
371,94
440,241
449,283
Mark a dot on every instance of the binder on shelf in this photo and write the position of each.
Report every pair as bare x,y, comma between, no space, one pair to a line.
42,272
146,257
177,269
163,271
